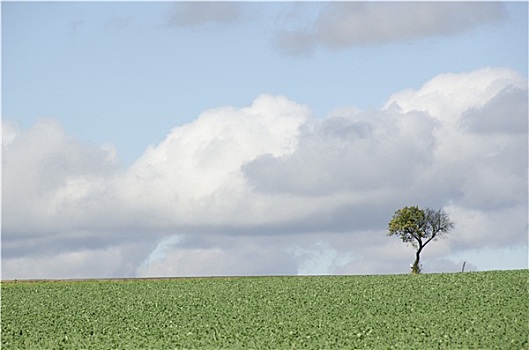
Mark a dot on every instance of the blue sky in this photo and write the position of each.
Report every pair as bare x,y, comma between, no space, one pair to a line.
176,138
124,73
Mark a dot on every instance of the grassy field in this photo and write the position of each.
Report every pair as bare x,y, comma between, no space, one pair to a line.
478,310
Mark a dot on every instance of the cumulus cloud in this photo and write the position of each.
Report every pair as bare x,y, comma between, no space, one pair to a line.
347,24
111,261
269,189
504,113
476,169
221,255
348,154
193,177
45,172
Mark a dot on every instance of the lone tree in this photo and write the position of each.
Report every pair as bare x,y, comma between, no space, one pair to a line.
419,227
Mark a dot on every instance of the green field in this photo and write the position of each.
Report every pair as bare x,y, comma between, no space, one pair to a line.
474,310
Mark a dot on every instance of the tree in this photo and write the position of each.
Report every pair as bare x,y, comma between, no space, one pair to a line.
419,227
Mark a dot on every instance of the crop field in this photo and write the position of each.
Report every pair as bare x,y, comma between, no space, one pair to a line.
477,310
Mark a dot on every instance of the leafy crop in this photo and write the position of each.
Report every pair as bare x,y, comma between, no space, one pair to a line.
465,310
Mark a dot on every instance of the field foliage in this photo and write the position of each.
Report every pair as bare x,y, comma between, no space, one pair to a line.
464,310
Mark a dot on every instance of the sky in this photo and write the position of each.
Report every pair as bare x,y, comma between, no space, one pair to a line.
260,138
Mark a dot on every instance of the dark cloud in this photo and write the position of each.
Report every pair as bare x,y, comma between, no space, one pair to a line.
356,153
199,13
342,25
295,42
505,113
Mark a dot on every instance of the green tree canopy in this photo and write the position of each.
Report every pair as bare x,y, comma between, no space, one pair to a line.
419,227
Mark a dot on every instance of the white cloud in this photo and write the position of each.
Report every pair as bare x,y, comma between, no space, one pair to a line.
119,261
194,176
475,169
448,95
504,227
221,255
268,189
45,173
346,24
319,259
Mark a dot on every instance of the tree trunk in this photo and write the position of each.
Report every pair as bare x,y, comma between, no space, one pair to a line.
415,269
